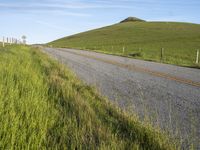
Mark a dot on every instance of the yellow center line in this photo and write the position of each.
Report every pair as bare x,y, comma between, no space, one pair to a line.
140,69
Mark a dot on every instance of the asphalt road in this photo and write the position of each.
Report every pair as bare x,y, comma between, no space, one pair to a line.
167,95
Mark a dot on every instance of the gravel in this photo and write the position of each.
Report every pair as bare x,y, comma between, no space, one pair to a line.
173,105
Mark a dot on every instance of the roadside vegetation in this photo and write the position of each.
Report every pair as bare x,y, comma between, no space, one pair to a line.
44,106
141,40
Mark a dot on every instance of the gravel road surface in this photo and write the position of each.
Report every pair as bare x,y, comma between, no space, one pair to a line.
169,95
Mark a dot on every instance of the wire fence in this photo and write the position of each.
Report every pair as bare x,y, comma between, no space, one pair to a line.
12,40
165,55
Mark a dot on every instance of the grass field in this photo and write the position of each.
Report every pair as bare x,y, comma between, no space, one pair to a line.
141,40
44,106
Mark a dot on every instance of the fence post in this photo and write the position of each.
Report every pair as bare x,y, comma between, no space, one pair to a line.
162,54
197,58
123,49
3,42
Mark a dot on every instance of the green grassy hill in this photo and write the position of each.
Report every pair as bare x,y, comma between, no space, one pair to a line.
142,40
44,106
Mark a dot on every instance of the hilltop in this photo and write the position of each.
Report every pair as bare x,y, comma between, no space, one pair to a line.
137,38
132,19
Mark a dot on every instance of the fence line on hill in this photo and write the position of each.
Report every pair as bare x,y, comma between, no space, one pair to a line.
162,54
124,50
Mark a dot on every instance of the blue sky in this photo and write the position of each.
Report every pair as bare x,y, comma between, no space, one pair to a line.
46,20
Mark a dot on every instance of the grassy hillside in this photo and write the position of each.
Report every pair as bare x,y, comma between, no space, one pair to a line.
142,40
44,106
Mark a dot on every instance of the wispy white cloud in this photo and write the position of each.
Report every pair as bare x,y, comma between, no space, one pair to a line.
61,5
65,9
76,8
85,4
59,13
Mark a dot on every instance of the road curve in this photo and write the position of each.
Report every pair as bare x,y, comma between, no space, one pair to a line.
169,95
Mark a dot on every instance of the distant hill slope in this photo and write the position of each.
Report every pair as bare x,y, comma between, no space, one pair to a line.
142,40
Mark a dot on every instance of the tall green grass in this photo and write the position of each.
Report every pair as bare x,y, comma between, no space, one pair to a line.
141,40
44,106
